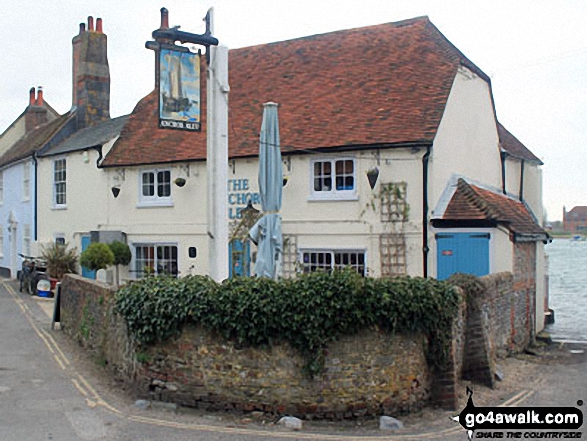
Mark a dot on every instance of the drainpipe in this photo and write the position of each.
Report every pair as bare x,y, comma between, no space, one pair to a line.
35,197
503,156
425,248
522,181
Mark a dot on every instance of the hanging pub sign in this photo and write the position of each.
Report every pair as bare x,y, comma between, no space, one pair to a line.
179,90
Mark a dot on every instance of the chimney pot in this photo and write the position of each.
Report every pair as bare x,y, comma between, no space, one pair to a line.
99,25
82,28
32,96
164,18
90,23
39,96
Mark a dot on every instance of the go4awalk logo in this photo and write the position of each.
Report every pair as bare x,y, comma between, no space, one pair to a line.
543,422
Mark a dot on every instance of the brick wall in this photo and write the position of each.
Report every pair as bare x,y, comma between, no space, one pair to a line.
500,319
366,374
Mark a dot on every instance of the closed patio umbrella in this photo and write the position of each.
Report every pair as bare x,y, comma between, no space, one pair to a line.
266,233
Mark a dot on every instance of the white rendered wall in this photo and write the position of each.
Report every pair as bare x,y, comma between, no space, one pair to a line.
466,142
87,193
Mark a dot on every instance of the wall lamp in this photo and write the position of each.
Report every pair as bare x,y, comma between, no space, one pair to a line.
115,191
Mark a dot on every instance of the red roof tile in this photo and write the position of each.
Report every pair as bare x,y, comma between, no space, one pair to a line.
378,85
579,209
511,145
470,202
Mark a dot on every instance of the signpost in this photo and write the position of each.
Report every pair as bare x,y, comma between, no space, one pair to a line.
178,82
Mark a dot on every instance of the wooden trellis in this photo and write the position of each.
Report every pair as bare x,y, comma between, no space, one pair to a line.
394,212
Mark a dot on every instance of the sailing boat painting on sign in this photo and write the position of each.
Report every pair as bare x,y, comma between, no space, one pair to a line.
179,90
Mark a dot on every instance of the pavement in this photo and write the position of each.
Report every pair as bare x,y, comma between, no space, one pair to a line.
51,389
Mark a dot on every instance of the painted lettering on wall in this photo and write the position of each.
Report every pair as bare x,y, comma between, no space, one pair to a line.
239,194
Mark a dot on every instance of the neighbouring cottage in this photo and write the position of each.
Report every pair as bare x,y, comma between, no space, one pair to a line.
29,133
37,189
575,221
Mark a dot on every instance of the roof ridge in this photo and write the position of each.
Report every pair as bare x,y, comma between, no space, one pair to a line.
396,24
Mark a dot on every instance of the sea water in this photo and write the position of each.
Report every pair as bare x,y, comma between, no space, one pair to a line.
568,289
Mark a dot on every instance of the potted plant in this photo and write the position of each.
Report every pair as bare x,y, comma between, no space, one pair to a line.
122,256
97,256
60,260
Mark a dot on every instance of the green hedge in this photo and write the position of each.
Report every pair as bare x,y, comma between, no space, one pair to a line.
307,312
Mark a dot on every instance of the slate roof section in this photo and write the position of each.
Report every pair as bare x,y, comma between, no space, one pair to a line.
89,137
377,86
472,203
513,147
36,139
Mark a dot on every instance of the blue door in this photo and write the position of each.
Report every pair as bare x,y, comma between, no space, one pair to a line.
239,258
462,253
86,241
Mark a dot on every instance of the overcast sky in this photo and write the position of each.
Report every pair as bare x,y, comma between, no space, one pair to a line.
535,52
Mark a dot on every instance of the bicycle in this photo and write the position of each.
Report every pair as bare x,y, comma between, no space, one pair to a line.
33,270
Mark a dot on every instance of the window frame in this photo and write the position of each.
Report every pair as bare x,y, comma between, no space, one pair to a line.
333,252
56,193
26,239
140,273
155,199
333,193
26,182
59,239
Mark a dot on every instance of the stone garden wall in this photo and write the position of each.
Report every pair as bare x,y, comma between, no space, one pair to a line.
367,374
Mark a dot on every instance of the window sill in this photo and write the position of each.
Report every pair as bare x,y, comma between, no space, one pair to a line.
59,207
333,197
155,204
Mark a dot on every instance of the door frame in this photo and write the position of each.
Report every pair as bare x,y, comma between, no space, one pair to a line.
246,254
491,231
88,273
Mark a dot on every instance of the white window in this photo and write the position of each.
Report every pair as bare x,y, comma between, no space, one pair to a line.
333,179
327,260
155,187
26,239
60,182
155,259
1,187
26,182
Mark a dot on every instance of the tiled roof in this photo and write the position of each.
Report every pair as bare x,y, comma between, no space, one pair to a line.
579,209
470,202
511,145
54,114
35,140
379,85
91,136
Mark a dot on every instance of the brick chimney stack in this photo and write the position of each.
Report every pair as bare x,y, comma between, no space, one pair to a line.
36,112
91,74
